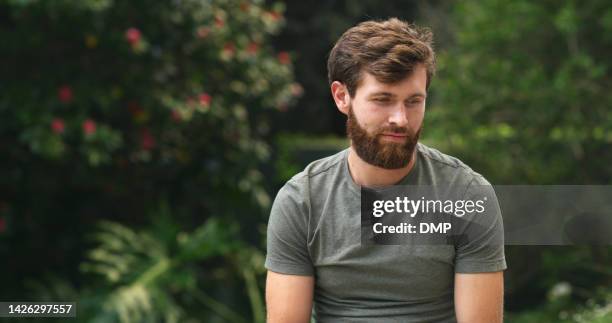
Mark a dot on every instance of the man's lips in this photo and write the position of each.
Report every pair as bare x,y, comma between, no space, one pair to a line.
399,138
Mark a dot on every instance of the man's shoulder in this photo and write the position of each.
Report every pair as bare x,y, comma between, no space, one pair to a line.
319,168
316,176
450,165
442,159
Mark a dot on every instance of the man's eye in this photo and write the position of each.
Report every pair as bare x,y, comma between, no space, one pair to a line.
384,101
414,102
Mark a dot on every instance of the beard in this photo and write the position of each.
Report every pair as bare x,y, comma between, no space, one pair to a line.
388,155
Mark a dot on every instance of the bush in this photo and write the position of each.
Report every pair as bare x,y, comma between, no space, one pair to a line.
123,111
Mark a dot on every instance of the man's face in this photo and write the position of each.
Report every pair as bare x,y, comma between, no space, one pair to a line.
385,120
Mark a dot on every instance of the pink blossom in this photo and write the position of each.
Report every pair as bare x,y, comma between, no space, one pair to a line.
219,22
89,126
205,99
58,126
132,35
64,94
203,31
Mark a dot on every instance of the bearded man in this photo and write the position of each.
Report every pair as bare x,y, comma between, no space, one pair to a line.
379,73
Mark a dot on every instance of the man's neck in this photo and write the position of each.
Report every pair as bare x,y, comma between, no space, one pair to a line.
368,175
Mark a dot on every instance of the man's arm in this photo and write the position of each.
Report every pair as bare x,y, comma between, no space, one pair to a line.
288,298
479,297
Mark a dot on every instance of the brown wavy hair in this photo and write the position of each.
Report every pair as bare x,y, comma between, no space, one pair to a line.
389,50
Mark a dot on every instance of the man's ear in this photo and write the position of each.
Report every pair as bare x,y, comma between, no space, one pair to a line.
341,96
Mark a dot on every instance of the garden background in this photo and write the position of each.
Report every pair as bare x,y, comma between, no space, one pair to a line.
141,142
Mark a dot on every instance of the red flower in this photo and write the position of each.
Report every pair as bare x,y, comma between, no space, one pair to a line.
2,224
253,48
205,99
147,142
132,35
64,94
275,15
219,22
203,31
57,125
283,58
89,127
229,48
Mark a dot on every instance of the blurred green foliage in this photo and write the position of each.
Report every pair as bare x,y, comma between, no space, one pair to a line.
521,96
522,93
152,116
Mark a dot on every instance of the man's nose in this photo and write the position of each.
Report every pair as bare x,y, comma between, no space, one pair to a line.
398,116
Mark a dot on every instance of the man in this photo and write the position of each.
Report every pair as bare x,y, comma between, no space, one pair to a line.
379,73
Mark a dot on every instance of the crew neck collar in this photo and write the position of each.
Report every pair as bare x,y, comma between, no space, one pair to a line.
356,188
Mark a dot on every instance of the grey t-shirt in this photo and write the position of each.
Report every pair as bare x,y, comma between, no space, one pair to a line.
314,229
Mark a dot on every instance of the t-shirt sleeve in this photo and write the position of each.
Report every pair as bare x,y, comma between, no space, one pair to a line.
287,234
481,247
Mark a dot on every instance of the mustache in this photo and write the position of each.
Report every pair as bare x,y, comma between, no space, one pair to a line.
395,129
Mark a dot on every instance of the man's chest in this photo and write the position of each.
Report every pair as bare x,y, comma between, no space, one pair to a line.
345,269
